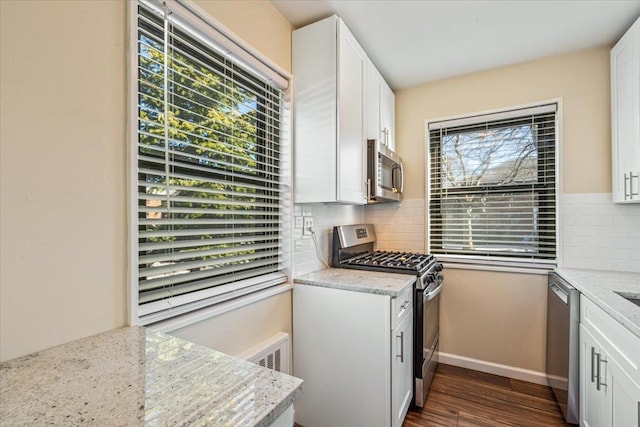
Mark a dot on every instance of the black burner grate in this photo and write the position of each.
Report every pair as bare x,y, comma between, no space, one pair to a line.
406,261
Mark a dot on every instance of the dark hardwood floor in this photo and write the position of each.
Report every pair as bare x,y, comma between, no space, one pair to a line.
462,397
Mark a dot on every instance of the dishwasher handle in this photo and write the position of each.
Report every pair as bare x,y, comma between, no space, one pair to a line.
561,293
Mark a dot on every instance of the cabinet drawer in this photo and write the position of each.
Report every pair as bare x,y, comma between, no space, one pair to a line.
618,341
401,306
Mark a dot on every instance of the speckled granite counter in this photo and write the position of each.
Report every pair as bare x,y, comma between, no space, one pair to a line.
372,282
134,376
599,287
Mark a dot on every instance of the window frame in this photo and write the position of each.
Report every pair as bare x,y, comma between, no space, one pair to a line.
203,28
486,261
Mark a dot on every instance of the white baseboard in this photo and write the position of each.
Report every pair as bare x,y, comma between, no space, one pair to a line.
494,368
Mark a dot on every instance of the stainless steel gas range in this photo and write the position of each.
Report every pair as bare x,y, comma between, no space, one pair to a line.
354,247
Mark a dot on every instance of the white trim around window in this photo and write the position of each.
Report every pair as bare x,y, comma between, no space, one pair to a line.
192,23
486,261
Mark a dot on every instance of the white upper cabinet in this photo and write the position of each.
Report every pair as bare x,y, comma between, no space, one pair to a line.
381,108
329,69
625,117
373,102
388,114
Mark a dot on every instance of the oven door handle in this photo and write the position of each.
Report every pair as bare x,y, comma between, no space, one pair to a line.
428,296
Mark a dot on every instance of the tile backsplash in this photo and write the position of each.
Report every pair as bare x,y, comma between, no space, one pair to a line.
325,217
595,233
598,234
399,226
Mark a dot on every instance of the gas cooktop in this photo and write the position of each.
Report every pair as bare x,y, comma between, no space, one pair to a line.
392,260
353,247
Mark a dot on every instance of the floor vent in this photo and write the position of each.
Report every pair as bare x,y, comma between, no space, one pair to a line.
272,353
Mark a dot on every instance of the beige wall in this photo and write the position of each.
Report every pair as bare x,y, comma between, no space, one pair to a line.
500,317
63,166
258,23
495,317
63,244
236,331
582,81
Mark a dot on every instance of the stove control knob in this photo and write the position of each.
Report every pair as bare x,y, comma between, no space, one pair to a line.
438,266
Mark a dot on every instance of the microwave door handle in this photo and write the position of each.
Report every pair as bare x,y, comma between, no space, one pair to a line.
393,178
372,168
401,178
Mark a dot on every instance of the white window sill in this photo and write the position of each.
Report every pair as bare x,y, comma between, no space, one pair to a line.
497,268
498,264
182,321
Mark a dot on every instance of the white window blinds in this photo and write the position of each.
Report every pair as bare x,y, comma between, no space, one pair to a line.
210,172
492,185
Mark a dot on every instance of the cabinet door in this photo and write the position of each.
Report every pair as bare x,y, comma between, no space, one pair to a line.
351,142
373,102
381,108
625,407
625,116
342,343
314,61
401,369
388,115
595,406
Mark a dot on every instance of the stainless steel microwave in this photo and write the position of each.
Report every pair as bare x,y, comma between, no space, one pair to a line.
385,174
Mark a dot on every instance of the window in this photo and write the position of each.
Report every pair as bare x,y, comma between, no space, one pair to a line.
211,169
492,184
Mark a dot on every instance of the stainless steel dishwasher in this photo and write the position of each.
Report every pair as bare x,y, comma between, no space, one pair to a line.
563,346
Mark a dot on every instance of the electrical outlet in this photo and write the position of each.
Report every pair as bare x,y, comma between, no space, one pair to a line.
307,226
299,222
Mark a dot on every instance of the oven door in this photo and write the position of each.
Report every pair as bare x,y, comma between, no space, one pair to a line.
431,317
430,334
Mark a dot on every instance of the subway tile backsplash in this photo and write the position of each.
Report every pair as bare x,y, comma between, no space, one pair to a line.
598,234
399,226
595,233
305,258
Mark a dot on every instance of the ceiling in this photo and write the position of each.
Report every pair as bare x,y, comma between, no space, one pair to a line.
418,41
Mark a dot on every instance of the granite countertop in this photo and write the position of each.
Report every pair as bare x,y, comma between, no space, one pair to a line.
599,287
373,282
134,376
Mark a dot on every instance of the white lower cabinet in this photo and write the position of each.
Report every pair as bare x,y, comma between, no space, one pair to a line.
595,400
625,402
609,370
402,369
285,419
354,351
